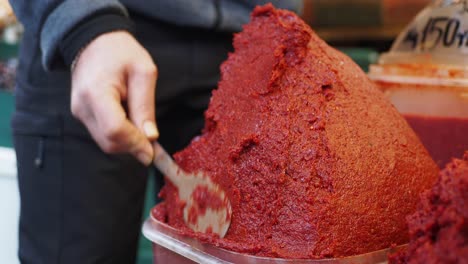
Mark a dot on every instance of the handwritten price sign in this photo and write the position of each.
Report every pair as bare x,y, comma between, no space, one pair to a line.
444,28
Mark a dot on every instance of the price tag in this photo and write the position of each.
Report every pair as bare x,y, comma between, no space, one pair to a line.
442,28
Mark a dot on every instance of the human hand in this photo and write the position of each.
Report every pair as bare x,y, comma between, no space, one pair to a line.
115,76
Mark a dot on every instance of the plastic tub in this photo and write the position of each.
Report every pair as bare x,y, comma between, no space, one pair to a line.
425,75
436,106
169,246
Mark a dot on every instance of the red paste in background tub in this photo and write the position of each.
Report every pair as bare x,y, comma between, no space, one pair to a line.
444,137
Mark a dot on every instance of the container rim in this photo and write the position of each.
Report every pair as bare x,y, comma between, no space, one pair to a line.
420,74
463,83
171,239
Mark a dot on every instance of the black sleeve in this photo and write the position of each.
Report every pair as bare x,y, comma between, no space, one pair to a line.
62,26
87,30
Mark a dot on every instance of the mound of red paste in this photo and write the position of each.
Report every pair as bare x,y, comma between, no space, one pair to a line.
316,163
439,228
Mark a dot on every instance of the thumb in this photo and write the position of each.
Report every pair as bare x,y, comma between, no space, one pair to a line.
141,102
114,132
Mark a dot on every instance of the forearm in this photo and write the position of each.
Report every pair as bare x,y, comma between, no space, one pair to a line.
62,26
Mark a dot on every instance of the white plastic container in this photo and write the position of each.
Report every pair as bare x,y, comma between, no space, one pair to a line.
9,207
169,246
425,75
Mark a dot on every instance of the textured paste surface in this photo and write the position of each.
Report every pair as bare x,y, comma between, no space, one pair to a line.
316,163
439,228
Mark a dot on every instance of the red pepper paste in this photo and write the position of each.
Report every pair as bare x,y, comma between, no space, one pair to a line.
444,137
315,161
439,228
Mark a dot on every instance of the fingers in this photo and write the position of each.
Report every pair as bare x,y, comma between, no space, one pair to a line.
141,93
111,129
113,68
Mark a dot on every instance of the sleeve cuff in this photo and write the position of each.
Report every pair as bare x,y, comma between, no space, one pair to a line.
84,33
65,18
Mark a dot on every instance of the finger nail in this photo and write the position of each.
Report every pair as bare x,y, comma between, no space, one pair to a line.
144,158
150,129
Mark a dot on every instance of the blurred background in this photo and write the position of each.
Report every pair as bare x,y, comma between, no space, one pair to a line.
360,28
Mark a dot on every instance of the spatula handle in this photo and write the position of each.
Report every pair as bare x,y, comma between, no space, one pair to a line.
163,161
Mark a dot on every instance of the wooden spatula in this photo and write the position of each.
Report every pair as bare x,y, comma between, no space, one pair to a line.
207,208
